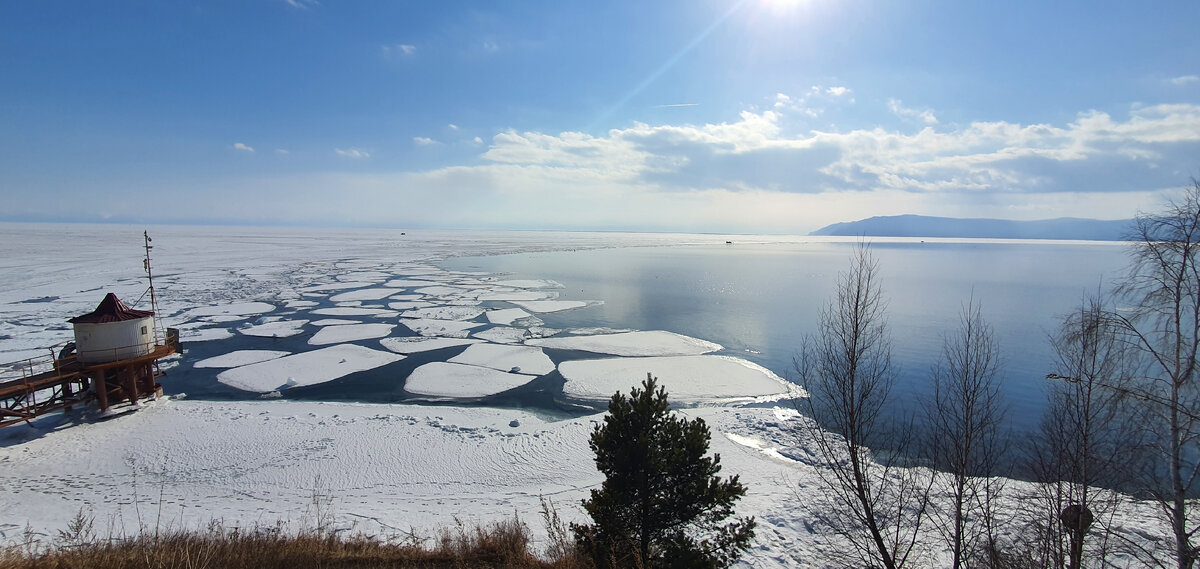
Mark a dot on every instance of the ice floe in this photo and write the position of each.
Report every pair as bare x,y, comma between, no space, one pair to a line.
275,329
334,322
238,309
528,283
503,335
439,290
439,379
514,295
444,313
349,333
240,358
687,379
516,359
205,334
335,286
506,316
352,311
410,283
410,304
301,304
648,343
363,294
552,305
431,327
414,344
306,368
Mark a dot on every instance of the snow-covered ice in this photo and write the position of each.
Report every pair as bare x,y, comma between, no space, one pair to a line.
306,368
516,295
415,344
275,329
206,334
647,343
349,333
687,379
409,304
506,316
236,309
527,283
503,335
444,313
363,294
352,311
440,379
430,327
240,358
519,359
333,322
552,305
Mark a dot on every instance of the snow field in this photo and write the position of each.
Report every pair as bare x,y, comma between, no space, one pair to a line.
349,333
517,359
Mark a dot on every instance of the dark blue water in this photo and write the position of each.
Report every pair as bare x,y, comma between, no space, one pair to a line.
759,301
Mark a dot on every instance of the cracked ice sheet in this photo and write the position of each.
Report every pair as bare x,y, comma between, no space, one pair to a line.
444,313
515,295
649,343
517,359
349,333
237,309
352,311
528,283
278,329
363,294
412,345
307,368
553,305
503,335
439,379
240,358
687,379
448,328
506,316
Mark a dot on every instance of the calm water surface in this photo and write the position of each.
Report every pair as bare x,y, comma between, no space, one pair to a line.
760,300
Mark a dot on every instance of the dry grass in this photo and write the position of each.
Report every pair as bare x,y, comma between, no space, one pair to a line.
500,545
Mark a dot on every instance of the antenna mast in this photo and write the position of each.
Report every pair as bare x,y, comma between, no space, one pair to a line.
150,279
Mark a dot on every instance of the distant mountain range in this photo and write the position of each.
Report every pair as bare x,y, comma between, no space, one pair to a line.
925,226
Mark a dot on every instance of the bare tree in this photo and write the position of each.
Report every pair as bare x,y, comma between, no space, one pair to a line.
847,370
964,439
1084,438
1163,287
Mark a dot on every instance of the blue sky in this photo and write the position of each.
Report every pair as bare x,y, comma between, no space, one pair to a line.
774,116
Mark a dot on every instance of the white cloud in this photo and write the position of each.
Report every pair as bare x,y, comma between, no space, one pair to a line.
242,147
452,126
813,102
302,4
490,46
391,51
424,141
354,153
1184,80
282,152
901,111
766,171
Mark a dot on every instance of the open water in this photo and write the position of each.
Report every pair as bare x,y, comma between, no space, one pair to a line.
761,300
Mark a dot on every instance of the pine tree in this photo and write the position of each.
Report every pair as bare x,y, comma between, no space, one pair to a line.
661,503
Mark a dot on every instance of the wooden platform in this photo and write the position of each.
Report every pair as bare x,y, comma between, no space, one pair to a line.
37,386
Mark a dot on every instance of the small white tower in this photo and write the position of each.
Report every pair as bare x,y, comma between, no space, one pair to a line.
113,332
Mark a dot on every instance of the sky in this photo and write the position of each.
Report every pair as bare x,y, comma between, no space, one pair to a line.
742,116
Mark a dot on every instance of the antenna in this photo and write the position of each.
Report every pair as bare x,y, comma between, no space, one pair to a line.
150,278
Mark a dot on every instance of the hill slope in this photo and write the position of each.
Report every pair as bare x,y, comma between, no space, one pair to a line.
925,226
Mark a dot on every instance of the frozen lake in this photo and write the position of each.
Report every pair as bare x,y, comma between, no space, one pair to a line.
759,300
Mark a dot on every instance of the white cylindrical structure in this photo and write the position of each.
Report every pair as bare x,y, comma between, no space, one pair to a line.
112,341
113,332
